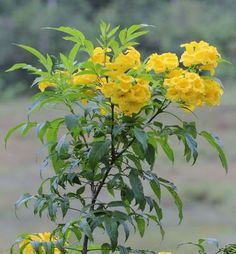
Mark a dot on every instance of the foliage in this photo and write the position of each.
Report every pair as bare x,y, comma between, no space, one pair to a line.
107,140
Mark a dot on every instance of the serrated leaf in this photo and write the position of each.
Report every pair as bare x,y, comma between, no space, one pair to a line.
150,155
11,131
84,226
42,59
177,200
71,121
156,188
16,67
71,31
113,31
141,225
167,149
98,151
74,52
23,199
111,227
215,142
137,186
141,136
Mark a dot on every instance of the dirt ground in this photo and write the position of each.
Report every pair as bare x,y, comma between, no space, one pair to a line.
208,193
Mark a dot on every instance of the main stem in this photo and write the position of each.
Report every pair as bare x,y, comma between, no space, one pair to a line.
96,192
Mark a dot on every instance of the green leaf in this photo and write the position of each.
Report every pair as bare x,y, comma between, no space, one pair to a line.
141,225
11,131
122,36
215,142
136,35
138,150
137,186
150,155
111,227
134,28
16,67
89,47
52,133
192,145
166,148
41,129
77,34
177,200
84,226
71,121
113,31
42,59
26,127
155,185
23,199
141,136
74,52
98,151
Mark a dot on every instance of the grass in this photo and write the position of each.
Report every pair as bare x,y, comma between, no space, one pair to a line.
208,193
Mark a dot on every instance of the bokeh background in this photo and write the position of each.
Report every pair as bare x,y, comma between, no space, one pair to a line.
208,193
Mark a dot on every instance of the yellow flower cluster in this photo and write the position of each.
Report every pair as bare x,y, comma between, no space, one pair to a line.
41,237
162,63
201,54
129,94
191,90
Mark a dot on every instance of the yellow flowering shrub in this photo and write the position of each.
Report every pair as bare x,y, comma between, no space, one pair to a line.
107,136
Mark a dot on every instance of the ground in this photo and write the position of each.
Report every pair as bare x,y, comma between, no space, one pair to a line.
208,193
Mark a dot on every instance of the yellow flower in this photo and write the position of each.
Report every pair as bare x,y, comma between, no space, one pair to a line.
163,252
176,73
162,63
84,79
128,94
125,78
131,99
186,88
41,237
45,84
130,59
114,70
140,93
213,92
107,89
205,56
99,56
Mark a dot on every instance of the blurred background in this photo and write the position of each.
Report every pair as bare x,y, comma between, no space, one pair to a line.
208,193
